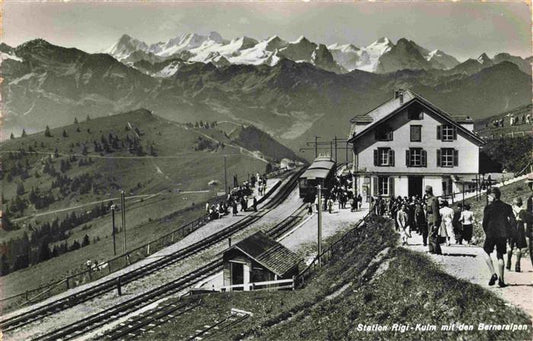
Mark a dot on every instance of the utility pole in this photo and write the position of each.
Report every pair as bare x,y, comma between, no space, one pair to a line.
123,211
114,230
335,148
225,175
316,146
331,149
319,193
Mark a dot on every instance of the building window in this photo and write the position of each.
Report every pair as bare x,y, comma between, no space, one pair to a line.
416,157
383,185
384,157
383,133
416,133
446,133
447,157
415,115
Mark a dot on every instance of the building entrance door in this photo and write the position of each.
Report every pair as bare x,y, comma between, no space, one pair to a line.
237,274
415,186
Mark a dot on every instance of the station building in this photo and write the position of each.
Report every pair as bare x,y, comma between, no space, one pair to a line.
258,258
408,143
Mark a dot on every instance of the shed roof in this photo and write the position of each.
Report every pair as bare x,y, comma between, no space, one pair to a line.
268,252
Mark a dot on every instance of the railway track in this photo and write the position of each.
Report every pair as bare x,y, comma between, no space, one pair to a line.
211,330
137,326
27,317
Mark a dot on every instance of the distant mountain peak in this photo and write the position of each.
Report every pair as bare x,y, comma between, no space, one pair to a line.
301,39
382,41
215,36
484,59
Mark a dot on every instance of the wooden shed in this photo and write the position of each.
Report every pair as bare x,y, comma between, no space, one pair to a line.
258,258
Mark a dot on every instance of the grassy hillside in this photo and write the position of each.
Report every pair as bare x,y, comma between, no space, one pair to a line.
401,287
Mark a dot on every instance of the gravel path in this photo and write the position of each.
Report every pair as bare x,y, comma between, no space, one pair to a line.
466,262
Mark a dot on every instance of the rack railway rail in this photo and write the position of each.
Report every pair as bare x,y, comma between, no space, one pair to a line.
27,317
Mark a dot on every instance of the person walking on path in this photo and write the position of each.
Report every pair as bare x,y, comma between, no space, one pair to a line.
457,226
446,216
433,221
498,222
518,240
467,220
403,223
420,222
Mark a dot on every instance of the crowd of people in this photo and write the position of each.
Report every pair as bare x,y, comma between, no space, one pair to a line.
239,198
438,223
339,193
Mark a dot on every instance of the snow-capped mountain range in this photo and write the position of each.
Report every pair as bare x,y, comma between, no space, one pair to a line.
338,58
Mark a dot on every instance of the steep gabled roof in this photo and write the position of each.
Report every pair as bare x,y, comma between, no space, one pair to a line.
268,252
393,106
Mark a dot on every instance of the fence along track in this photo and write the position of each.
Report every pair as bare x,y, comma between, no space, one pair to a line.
97,290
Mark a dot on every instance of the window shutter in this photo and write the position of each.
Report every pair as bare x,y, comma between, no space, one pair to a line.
438,157
376,189
455,133
408,158
391,157
424,157
455,157
376,157
391,187
439,132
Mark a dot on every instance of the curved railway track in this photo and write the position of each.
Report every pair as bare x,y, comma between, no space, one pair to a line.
27,317
162,313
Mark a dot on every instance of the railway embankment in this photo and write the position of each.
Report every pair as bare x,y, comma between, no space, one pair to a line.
368,289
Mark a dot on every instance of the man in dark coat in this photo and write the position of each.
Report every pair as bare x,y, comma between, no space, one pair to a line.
529,226
498,222
433,221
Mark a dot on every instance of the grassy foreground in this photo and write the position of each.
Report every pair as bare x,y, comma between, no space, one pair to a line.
400,290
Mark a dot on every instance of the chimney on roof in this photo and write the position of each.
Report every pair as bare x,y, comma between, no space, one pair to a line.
399,94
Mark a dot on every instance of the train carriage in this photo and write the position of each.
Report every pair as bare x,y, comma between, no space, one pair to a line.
321,171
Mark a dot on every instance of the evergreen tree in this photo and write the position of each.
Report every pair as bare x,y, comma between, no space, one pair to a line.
20,189
78,129
47,132
88,118
86,241
75,120
65,133
45,253
11,137
23,133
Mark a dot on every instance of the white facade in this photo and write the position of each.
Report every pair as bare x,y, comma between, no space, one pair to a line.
427,147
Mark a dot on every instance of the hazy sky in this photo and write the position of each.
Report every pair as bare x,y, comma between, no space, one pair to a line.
461,29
